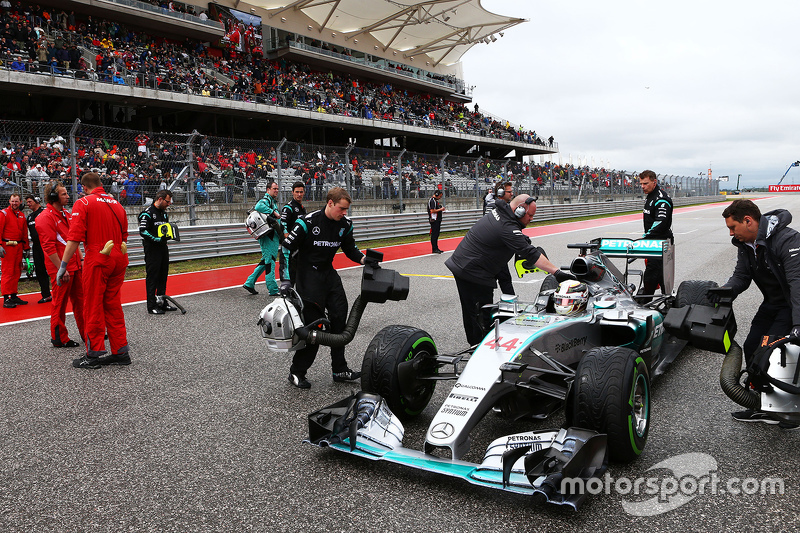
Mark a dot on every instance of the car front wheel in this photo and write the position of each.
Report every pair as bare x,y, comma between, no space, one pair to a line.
612,395
392,364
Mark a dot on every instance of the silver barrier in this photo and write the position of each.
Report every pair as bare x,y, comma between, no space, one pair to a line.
204,242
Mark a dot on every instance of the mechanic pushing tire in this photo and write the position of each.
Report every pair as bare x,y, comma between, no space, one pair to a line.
392,362
612,395
693,292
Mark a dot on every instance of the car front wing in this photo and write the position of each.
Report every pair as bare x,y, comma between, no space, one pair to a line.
551,465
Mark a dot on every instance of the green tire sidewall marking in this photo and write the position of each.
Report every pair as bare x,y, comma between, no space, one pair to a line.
417,342
631,431
409,357
726,341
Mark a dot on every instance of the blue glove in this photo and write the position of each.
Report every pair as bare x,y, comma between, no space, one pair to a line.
61,271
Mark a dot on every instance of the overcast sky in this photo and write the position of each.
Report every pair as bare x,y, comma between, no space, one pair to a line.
670,86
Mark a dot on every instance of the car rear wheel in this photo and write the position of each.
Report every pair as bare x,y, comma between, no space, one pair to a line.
394,359
693,292
548,283
612,395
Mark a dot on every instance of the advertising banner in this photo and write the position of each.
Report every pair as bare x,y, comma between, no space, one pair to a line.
784,188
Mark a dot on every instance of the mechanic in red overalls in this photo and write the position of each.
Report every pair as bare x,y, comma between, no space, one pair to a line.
14,234
100,222
52,226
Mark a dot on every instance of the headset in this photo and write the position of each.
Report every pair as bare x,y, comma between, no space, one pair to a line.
52,196
500,191
522,208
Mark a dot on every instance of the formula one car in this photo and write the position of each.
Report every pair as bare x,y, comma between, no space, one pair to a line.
596,361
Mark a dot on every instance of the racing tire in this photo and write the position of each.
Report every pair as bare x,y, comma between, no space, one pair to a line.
693,292
611,395
392,362
548,283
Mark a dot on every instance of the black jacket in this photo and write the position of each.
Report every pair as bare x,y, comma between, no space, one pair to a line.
149,220
433,203
317,238
657,215
489,245
777,250
290,213
32,226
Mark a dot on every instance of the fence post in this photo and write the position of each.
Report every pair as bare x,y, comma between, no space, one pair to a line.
478,188
280,179
441,168
569,184
190,188
73,160
348,168
530,177
400,178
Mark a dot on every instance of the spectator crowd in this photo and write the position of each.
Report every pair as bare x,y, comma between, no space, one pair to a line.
35,39
133,166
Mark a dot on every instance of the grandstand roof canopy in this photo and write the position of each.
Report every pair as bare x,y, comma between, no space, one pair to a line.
442,29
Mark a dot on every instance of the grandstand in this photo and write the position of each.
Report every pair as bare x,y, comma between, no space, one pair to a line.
367,95
292,71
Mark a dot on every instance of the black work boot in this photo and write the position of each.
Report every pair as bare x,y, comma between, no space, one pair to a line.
91,363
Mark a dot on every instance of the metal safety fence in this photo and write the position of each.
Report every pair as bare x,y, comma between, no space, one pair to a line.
203,169
204,242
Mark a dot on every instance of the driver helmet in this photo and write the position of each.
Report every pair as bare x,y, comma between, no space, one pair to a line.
571,297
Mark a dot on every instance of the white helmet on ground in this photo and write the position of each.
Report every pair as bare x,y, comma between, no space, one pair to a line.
571,297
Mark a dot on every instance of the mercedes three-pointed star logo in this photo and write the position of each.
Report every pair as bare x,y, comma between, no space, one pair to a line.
442,430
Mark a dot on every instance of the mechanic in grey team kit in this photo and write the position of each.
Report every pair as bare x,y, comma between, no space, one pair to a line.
767,254
485,251
317,237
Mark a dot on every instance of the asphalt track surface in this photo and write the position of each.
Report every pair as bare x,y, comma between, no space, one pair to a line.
203,433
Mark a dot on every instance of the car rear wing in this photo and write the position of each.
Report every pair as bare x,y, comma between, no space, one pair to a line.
632,249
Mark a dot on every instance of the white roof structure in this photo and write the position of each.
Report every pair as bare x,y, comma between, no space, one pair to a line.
443,30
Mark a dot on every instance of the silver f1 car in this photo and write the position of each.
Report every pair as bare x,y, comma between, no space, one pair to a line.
597,363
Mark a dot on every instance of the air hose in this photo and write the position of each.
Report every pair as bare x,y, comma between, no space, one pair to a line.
337,340
729,380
